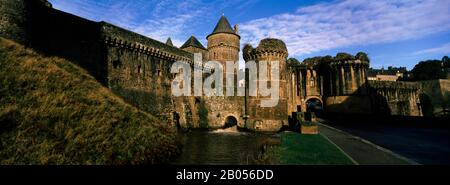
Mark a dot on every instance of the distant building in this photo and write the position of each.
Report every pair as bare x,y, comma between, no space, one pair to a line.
390,74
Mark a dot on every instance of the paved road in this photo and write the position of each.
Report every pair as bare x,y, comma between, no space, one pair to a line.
423,145
361,151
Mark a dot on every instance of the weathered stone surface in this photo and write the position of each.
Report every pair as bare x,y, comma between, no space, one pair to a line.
138,69
12,20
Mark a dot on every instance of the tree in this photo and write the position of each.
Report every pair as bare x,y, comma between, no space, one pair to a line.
292,60
362,56
446,63
327,58
428,70
312,61
344,57
445,60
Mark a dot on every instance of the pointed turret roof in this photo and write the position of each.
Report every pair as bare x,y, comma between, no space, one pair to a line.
192,41
223,26
169,42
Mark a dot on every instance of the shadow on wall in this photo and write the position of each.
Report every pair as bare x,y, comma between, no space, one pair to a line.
314,105
446,105
378,102
379,98
202,112
426,106
56,33
359,102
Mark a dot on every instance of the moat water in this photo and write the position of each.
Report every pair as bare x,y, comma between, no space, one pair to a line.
223,146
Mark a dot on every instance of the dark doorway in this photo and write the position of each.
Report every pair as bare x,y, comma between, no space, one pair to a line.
230,121
176,120
314,105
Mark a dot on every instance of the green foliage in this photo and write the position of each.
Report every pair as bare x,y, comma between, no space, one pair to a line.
446,63
362,56
327,58
53,112
339,57
247,48
344,57
292,61
313,60
272,44
428,70
445,60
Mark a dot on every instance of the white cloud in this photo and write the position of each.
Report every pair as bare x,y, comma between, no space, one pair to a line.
345,23
154,18
444,49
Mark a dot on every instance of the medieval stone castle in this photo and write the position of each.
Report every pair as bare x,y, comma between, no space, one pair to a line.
137,68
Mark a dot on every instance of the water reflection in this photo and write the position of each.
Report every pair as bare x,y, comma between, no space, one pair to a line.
226,146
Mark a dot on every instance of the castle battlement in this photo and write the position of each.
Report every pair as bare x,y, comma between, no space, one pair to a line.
137,68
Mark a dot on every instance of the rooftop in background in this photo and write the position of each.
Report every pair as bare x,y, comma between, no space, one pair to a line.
192,41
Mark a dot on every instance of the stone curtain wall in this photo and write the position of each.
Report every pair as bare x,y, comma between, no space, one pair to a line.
57,33
219,108
395,98
133,66
139,70
438,92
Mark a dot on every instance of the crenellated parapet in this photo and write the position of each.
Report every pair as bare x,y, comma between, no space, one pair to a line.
267,48
118,37
144,49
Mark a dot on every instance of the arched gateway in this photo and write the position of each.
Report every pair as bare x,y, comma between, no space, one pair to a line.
230,121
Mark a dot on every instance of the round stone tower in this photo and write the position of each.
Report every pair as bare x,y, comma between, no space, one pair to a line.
223,42
268,118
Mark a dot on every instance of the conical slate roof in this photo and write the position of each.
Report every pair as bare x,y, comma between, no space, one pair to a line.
192,41
223,26
169,42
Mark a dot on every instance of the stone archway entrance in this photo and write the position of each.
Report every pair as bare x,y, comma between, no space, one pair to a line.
230,121
314,105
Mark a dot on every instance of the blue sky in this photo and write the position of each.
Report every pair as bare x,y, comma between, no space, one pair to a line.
392,32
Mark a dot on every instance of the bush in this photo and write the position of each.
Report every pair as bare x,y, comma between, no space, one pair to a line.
344,57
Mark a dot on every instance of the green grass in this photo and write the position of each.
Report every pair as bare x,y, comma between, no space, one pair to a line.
300,149
54,112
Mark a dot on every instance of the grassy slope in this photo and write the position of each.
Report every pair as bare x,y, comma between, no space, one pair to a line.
297,148
53,112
